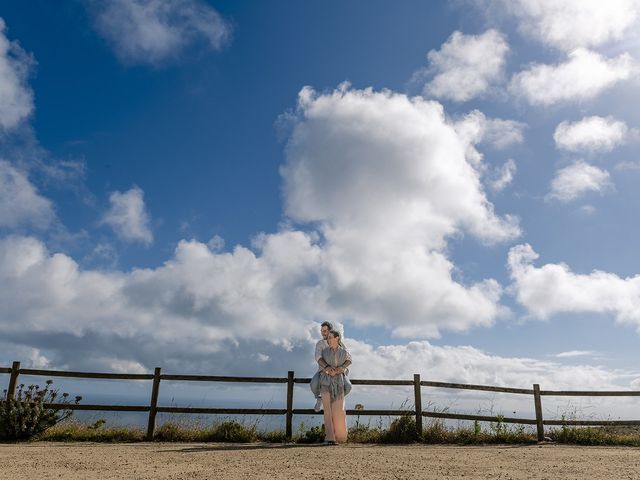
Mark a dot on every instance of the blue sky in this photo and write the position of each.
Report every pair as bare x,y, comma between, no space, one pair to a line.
188,183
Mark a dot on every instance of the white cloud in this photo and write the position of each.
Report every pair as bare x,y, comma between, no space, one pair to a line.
126,366
20,202
587,209
504,133
261,357
582,77
27,356
591,134
16,97
155,31
628,166
554,288
103,255
466,364
504,176
385,179
216,243
128,216
577,179
465,66
475,127
363,159
575,353
570,24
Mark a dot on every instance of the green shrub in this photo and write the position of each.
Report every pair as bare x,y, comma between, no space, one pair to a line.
401,430
25,415
277,436
313,435
98,424
365,434
232,431
436,432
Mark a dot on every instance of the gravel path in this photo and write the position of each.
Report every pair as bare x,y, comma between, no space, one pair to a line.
197,461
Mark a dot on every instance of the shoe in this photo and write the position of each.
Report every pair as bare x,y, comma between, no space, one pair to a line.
318,407
329,442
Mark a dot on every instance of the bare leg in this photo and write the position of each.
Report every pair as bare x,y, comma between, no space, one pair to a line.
329,435
339,418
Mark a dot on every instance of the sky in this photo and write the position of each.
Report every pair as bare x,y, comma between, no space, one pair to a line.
197,185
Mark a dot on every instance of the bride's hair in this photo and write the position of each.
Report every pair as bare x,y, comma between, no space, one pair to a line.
336,333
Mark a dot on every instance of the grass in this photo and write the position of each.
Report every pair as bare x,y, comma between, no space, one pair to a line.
75,431
172,431
399,431
403,430
597,436
496,433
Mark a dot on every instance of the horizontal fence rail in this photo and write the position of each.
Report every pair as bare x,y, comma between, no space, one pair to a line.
591,393
485,388
217,378
153,408
109,376
106,408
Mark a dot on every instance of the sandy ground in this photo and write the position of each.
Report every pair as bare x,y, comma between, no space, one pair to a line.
260,461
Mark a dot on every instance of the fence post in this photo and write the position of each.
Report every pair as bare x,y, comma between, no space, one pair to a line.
417,391
154,404
13,380
538,404
289,425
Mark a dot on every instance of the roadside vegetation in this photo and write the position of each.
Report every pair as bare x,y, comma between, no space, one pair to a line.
27,417
399,431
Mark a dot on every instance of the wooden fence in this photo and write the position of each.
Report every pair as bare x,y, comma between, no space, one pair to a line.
289,411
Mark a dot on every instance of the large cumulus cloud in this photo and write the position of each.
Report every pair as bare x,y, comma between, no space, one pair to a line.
385,180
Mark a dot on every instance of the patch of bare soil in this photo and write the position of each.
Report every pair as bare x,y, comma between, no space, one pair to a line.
179,461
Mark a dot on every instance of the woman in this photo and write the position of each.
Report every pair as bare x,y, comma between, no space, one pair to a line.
334,385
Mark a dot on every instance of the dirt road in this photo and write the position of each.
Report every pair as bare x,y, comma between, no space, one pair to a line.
178,461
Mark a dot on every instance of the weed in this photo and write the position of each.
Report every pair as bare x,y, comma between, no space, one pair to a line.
365,434
594,436
25,416
75,431
277,436
313,435
233,431
401,430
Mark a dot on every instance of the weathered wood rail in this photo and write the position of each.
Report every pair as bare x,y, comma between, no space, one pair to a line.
15,371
